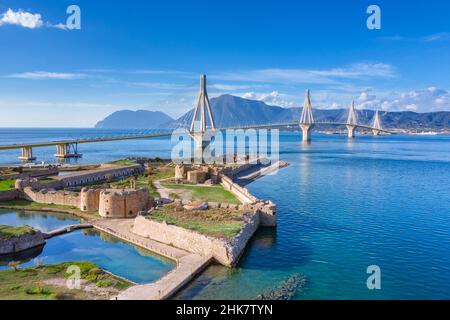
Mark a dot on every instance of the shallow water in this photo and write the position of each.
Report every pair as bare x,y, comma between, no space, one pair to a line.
107,252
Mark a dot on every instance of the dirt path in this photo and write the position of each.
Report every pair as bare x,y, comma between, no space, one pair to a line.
165,192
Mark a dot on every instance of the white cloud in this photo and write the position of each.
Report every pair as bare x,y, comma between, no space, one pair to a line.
44,75
21,18
312,76
27,20
422,100
439,36
273,98
61,26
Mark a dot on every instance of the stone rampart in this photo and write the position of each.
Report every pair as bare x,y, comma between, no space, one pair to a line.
9,195
241,193
20,243
61,197
226,252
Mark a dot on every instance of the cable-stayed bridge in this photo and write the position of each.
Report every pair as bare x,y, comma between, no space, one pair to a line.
201,122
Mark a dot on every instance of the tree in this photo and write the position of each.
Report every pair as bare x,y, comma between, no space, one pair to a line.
14,265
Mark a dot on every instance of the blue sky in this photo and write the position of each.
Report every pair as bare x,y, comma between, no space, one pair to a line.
149,54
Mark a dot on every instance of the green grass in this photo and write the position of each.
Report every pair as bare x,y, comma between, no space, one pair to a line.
7,184
213,222
215,193
28,283
122,162
46,181
146,180
25,204
8,232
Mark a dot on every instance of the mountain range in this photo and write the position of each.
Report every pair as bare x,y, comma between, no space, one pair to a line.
232,111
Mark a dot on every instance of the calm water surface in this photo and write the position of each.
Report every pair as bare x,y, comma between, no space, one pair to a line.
342,207
108,252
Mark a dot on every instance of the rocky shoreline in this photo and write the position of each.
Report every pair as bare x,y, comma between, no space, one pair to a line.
21,243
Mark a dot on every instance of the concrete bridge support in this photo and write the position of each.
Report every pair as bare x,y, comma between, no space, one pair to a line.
376,132
351,131
27,154
306,132
64,151
199,146
307,118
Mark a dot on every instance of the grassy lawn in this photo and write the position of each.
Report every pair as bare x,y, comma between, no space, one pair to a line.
146,180
215,193
7,184
213,222
29,283
122,162
8,232
46,181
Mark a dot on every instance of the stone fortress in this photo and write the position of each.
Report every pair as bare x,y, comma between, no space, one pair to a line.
129,202
108,202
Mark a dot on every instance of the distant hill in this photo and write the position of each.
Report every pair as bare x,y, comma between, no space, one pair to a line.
140,119
232,111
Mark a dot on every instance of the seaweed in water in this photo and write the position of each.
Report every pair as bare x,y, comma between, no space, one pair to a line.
285,290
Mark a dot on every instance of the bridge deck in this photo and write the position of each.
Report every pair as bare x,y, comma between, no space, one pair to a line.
164,134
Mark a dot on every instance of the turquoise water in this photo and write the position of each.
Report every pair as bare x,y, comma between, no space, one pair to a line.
108,252
342,207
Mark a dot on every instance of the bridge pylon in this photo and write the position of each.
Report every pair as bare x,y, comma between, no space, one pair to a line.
352,121
377,128
198,124
307,118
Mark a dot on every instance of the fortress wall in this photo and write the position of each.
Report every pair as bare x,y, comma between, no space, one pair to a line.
90,199
33,174
241,193
101,175
135,202
226,252
9,195
66,198
266,209
112,205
